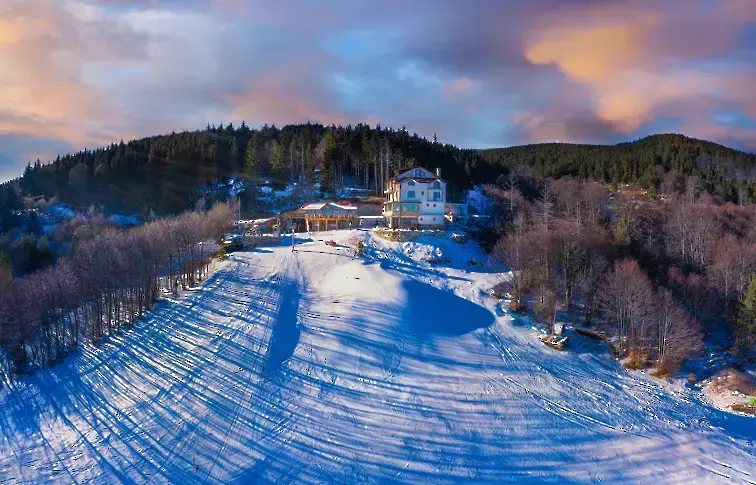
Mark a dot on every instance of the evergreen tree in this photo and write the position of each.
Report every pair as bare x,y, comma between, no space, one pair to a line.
251,159
309,167
233,156
622,235
745,325
330,159
277,161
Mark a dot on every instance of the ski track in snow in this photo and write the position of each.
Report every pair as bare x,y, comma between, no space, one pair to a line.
318,367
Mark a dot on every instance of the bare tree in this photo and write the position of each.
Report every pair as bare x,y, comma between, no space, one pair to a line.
591,278
677,333
569,245
627,300
731,268
514,251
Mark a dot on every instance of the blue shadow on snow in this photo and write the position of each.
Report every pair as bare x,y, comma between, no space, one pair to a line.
286,332
425,317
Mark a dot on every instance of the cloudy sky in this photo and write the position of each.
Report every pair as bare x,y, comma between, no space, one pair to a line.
478,73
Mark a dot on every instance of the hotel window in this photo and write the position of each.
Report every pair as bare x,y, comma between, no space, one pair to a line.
411,194
396,207
411,182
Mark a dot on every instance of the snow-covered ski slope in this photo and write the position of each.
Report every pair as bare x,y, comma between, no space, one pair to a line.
317,367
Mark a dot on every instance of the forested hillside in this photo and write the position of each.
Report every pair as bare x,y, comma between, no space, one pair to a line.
718,169
164,173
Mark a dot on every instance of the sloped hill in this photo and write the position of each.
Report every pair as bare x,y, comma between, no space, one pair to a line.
319,367
719,168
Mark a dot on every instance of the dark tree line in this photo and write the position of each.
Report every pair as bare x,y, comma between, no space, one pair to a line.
10,203
106,284
655,274
163,172
715,168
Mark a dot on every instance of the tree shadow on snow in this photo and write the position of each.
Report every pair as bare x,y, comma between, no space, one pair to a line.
430,311
285,331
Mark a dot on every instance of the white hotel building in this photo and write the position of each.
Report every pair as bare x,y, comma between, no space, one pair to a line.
415,199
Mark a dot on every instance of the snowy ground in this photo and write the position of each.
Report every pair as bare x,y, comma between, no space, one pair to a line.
316,367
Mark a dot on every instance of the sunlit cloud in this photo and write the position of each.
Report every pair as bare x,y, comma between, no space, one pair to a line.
638,60
461,87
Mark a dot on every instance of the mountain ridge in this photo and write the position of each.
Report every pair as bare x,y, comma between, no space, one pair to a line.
163,172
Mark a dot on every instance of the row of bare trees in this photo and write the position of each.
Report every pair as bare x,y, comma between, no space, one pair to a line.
106,284
649,271
556,246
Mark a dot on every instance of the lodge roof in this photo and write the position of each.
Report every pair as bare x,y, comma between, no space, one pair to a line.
403,176
314,206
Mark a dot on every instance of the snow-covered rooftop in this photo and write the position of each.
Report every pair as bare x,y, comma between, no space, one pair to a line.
319,205
344,206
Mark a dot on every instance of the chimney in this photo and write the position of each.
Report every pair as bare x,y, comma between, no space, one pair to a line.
438,172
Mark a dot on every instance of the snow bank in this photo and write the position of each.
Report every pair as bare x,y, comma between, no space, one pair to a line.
445,249
729,388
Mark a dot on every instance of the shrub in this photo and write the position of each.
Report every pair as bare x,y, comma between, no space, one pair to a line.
636,358
732,380
744,408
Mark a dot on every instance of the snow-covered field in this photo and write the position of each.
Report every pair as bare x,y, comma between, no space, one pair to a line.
317,367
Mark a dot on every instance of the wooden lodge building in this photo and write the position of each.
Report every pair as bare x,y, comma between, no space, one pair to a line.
328,216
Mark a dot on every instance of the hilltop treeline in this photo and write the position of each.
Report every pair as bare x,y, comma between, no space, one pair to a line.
106,284
163,172
715,168
656,274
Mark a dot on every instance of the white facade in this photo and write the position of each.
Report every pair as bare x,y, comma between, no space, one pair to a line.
415,199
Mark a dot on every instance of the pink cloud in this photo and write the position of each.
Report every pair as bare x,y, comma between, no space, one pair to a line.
461,87
44,48
286,95
631,58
